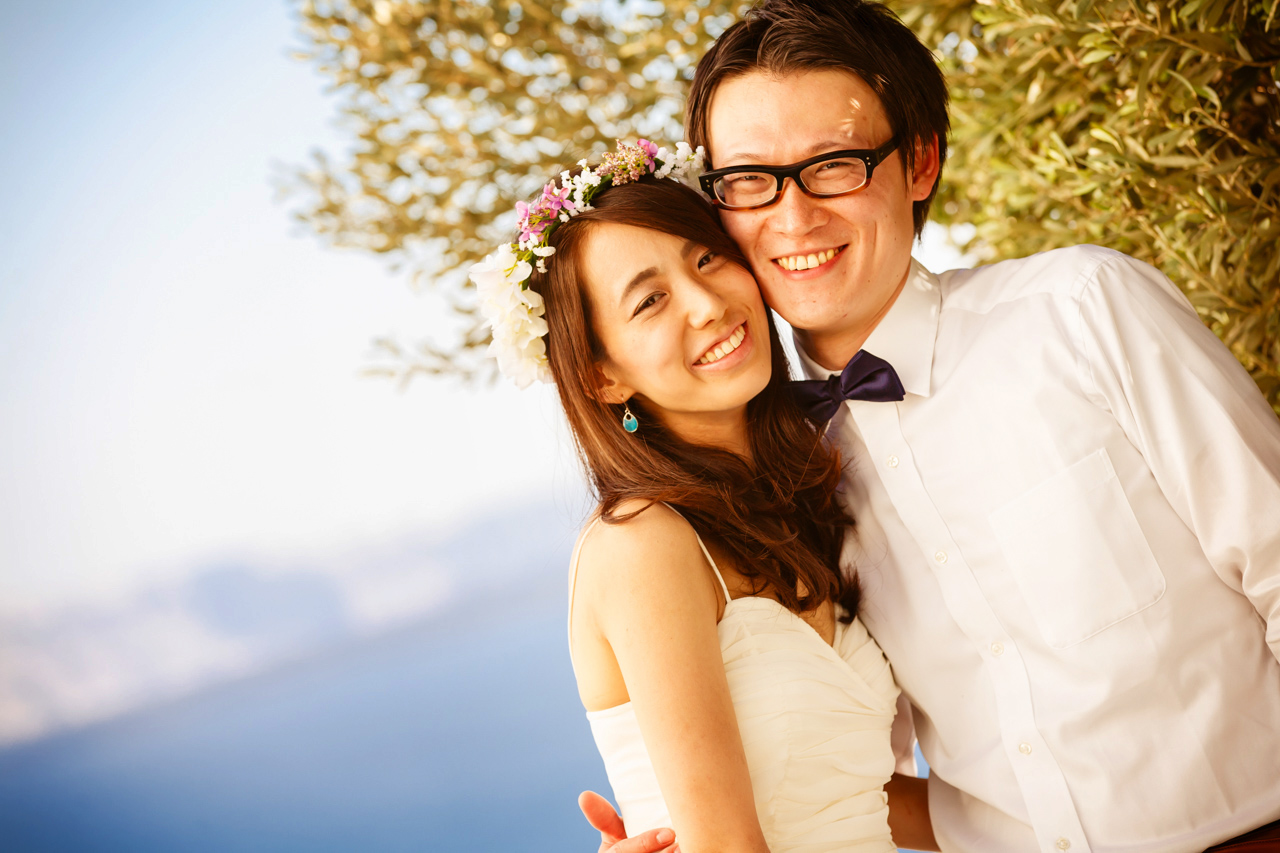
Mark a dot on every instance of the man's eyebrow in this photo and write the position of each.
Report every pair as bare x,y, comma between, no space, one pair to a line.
748,158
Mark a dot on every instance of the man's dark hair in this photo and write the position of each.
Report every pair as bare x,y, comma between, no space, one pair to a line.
784,36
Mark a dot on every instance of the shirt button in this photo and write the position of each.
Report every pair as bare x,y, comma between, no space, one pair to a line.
997,649
1063,843
1025,749
940,556
892,462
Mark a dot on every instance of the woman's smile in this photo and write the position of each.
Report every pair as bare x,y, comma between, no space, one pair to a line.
728,352
682,328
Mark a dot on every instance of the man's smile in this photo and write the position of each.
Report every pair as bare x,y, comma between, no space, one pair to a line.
808,260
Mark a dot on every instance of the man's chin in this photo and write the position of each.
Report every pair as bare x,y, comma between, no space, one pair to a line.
807,320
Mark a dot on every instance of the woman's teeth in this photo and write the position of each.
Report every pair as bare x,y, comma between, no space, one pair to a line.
725,348
806,262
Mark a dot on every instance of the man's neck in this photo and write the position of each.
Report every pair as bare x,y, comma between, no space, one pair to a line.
832,348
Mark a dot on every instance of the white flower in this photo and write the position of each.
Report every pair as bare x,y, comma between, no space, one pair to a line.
687,164
515,315
664,157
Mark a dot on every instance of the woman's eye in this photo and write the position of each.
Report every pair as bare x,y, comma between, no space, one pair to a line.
646,303
707,258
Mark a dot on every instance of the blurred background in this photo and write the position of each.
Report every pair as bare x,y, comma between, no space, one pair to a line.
250,598
281,568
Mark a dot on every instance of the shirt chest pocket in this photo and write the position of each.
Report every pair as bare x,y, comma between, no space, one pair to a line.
1077,552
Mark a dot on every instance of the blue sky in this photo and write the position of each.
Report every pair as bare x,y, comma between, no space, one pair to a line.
179,361
180,393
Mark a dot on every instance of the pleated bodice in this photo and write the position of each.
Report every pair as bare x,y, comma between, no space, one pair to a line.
814,721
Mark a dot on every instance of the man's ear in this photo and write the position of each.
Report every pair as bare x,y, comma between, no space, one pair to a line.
608,389
925,172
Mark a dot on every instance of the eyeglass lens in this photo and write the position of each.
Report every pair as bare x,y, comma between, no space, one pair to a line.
829,177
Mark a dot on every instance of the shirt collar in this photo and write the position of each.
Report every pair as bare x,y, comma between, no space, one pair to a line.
905,337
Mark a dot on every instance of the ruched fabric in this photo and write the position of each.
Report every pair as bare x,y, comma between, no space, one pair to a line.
814,721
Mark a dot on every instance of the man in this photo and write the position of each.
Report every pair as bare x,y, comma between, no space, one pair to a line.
1069,527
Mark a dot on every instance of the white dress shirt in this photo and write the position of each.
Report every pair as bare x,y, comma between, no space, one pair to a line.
1068,541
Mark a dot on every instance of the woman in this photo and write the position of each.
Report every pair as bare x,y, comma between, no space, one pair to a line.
732,692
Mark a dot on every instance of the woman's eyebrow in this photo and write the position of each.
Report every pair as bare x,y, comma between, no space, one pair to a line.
636,280
646,274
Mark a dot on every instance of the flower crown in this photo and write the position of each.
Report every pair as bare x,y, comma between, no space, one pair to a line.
514,312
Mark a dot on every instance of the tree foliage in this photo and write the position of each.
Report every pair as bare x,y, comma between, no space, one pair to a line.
460,108
1151,127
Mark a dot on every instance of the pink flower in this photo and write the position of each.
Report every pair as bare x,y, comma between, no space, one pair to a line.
534,219
630,162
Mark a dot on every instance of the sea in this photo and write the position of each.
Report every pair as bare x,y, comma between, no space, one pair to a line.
462,733
457,728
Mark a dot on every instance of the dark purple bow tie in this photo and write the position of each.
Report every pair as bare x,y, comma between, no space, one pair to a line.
865,377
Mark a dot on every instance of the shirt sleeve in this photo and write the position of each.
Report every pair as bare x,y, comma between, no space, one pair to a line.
1210,438
903,739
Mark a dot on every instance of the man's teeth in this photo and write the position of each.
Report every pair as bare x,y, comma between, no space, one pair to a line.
806,262
725,348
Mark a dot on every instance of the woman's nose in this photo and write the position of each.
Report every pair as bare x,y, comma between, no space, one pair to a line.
705,306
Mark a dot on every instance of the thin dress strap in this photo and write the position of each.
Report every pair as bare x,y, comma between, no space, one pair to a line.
724,588
577,549
573,572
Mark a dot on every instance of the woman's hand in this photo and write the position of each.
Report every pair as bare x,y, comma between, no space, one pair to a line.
613,836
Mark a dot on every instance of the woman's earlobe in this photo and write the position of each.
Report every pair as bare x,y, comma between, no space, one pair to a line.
607,389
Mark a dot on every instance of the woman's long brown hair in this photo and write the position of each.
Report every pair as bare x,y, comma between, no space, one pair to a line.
777,514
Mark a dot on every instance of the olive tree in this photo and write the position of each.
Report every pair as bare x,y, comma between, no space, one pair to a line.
1150,127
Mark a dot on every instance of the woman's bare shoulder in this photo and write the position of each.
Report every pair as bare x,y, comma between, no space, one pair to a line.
654,547
646,528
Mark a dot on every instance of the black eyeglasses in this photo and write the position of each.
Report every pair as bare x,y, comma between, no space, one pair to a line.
827,175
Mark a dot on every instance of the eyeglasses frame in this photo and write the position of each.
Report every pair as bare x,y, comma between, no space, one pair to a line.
871,157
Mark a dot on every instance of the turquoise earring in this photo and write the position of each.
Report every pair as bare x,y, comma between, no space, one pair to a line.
629,422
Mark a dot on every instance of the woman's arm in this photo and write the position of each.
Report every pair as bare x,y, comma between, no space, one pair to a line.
645,590
909,812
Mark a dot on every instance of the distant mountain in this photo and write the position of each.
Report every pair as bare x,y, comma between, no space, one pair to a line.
460,732
228,620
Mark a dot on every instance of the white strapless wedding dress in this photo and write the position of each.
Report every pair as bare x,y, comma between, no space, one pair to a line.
814,721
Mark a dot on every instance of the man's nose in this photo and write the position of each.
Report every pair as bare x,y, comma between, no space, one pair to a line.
795,213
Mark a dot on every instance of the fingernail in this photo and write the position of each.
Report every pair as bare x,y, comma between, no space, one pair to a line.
665,836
